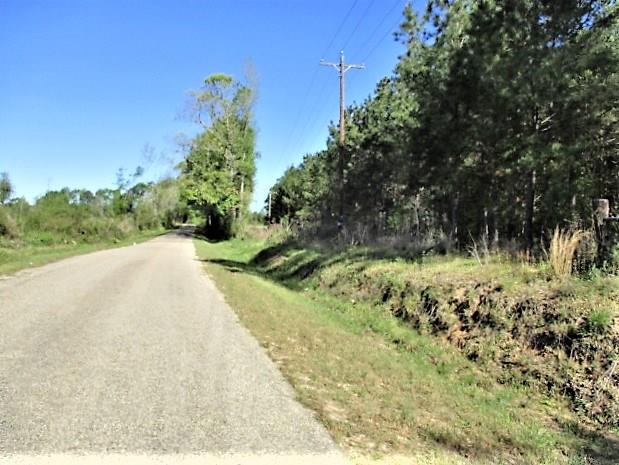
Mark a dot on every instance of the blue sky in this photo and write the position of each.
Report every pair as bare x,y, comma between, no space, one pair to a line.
85,85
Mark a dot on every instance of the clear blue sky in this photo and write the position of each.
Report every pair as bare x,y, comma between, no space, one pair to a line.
85,84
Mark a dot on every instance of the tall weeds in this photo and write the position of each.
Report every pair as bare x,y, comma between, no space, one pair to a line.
562,250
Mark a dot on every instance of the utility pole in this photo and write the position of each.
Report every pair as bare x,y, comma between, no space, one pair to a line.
270,202
341,68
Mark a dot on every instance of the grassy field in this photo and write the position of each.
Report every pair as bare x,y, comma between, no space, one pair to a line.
15,258
387,393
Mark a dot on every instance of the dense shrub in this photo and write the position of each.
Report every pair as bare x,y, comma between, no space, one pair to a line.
8,225
146,217
80,216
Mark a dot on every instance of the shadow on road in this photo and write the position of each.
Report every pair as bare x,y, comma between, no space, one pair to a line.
183,231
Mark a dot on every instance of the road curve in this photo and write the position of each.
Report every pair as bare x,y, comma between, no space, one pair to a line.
131,355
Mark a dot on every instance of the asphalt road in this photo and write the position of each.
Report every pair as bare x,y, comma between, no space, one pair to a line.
132,356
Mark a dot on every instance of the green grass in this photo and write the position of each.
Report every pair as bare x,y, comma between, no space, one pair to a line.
386,393
515,319
16,258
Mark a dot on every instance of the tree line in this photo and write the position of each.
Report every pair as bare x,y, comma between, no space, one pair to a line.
500,122
71,215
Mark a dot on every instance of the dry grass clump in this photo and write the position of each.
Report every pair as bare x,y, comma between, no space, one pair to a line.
563,247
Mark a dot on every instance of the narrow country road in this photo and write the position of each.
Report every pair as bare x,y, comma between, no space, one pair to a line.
131,356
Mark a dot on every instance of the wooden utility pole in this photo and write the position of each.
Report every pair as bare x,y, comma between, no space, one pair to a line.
270,202
342,68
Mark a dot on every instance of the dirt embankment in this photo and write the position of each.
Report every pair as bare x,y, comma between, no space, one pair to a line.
524,327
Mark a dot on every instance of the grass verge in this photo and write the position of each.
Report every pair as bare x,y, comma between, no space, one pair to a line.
13,259
389,394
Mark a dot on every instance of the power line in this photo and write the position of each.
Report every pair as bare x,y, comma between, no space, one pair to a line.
320,103
313,113
313,79
346,41
365,12
391,30
380,23
339,28
298,117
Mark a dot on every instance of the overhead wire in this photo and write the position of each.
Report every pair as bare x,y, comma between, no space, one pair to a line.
380,24
313,115
390,31
313,80
363,15
320,103
328,47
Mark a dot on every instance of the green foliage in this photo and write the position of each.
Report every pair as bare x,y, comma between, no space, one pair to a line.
68,216
218,172
8,225
600,321
499,122
299,195
6,188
